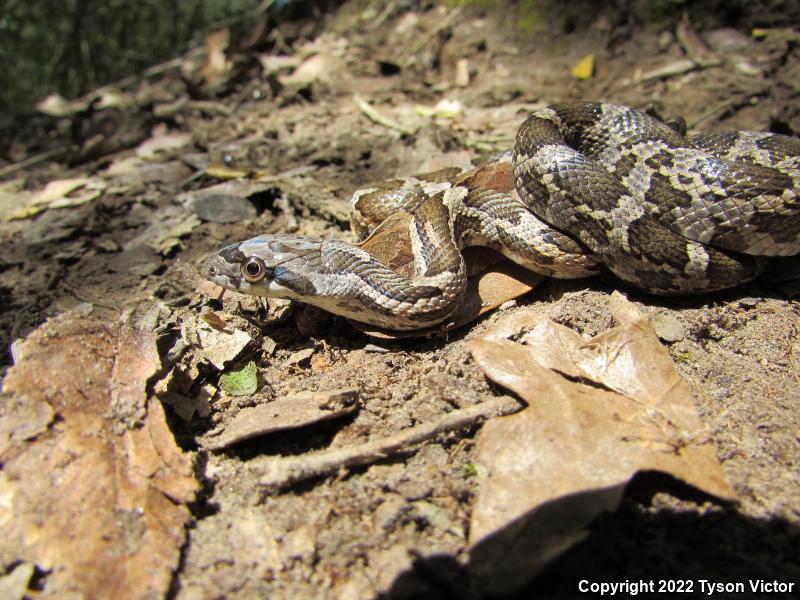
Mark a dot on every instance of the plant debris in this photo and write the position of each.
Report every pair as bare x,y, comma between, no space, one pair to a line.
96,488
290,412
600,410
385,491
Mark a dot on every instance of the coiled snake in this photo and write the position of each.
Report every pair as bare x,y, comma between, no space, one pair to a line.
595,184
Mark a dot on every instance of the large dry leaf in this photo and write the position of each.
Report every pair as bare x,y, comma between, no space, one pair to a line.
568,456
94,487
62,193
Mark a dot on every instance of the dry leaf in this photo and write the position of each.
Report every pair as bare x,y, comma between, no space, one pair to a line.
97,505
217,66
291,412
677,67
220,346
61,193
225,172
216,321
163,143
584,68
696,47
568,456
319,67
55,105
444,109
300,356
14,585
58,189
462,75
272,64
165,233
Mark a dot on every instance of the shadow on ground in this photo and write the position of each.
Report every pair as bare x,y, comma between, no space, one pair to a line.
643,540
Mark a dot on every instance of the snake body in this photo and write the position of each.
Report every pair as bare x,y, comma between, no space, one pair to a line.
588,184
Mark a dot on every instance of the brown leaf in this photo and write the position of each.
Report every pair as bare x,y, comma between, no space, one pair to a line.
301,356
163,142
97,499
61,193
216,321
696,47
298,410
319,67
568,456
217,65
219,346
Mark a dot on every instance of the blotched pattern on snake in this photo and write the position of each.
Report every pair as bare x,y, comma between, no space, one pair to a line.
587,185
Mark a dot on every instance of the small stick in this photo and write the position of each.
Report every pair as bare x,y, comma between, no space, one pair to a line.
390,8
280,472
679,67
184,103
32,160
445,22
489,143
380,119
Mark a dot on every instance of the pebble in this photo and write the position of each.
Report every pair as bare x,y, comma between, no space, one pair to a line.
668,328
749,302
720,393
665,40
223,208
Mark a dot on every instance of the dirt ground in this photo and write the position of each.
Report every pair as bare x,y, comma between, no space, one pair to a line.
370,531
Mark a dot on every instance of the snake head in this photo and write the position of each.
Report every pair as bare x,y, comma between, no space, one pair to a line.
277,266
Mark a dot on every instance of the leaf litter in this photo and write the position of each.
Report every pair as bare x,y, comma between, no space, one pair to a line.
600,410
96,488
373,500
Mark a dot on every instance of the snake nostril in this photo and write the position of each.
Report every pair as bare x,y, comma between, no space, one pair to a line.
212,270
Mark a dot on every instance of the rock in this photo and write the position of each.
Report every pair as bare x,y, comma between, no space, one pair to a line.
749,302
668,328
223,208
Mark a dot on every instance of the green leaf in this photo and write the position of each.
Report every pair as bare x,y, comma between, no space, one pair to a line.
240,383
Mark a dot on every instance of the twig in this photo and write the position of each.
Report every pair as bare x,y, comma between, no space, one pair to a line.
719,109
33,160
182,104
445,22
679,67
152,71
380,119
712,112
792,357
281,472
489,143
387,12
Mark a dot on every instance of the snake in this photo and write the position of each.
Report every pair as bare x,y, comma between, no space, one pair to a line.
588,186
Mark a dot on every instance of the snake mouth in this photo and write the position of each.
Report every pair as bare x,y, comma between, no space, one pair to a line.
220,271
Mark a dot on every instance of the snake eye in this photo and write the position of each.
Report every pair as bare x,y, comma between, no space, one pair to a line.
254,270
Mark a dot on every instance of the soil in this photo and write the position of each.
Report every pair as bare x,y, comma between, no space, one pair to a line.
369,532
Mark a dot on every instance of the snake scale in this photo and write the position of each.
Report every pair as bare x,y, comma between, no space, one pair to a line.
594,186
